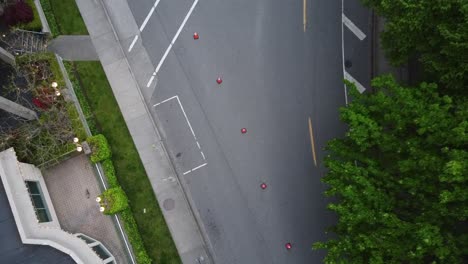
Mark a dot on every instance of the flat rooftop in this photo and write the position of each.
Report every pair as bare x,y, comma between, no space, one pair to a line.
12,250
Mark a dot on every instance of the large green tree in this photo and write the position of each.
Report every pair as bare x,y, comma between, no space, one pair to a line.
400,178
435,31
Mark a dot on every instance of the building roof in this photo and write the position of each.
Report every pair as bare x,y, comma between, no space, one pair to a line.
12,250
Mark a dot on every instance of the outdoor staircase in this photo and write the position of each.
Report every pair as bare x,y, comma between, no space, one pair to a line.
23,41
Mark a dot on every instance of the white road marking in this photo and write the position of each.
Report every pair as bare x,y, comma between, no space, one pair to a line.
133,43
168,99
350,78
149,15
187,120
194,169
353,27
150,81
144,24
173,41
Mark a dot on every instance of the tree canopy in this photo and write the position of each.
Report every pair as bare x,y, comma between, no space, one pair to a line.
400,176
435,31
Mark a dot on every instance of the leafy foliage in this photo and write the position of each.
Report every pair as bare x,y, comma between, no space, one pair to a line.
19,12
49,13
109,172
114,200
131,229
100,149
35,24
400,175
435,31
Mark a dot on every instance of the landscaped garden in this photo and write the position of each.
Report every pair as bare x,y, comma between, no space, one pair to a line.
50,136
143,220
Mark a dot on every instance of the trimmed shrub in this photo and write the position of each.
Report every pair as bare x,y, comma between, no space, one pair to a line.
109,172
134,236
100,149
114,200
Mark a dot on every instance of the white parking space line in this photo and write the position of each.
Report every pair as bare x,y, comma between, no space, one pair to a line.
350,78
153,8
196,168
172,42
186,119
353,27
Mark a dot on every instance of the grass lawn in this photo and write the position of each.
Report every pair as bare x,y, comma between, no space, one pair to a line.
129,169
68,17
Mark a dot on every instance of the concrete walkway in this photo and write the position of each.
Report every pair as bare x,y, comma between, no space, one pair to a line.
74,48
179,217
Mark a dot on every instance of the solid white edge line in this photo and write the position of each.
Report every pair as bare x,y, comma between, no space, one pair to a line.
186,118
196,168
342,53
162,102
185,21
350,78
187,172
163,58
133,43
176,36
150,81
358,32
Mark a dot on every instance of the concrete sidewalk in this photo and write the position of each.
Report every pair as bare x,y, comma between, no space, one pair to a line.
74,48
179,217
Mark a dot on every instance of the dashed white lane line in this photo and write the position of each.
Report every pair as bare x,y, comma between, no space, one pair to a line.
196,168
359,34
149,15
350,78
172,42
153,8
203,155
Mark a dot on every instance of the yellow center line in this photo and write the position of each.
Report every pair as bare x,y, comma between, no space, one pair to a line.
312,141
304,14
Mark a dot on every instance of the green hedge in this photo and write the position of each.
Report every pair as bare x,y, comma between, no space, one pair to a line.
100,149
114,200
109,172
87,112
134,237
49,13
76,121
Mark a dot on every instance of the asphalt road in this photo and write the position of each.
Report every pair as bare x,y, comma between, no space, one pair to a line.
275,77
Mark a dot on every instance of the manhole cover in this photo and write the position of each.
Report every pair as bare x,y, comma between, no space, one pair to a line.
169,204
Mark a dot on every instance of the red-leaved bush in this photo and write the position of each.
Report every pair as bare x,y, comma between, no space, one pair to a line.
19,12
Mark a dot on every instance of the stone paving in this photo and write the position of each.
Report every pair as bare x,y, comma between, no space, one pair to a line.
73,188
